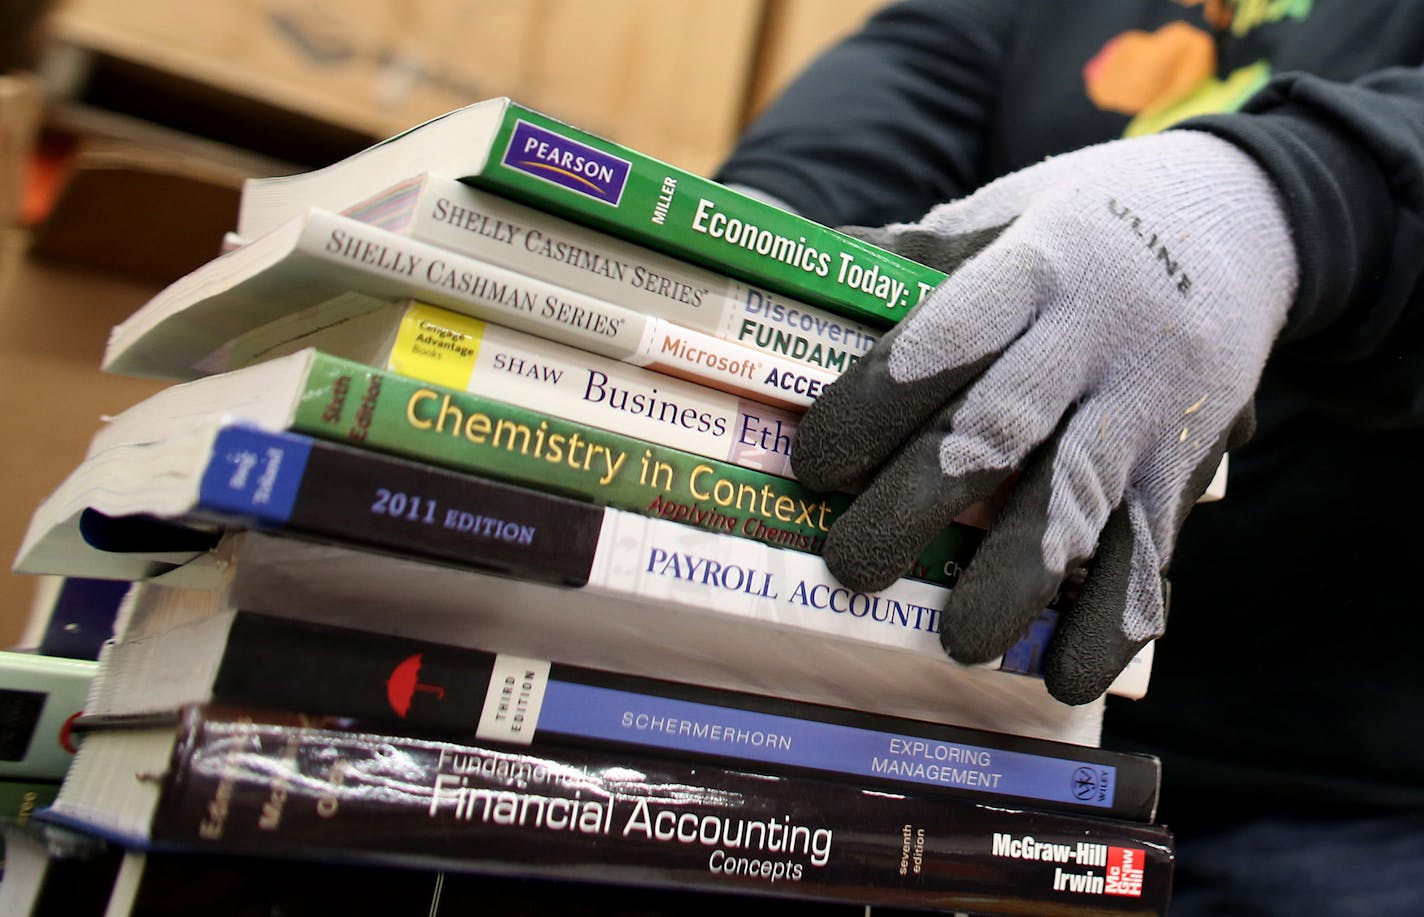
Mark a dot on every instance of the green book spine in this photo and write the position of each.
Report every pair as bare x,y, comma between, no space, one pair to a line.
546,163
351,402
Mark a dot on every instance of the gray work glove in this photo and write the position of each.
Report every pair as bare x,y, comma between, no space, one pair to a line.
1103,328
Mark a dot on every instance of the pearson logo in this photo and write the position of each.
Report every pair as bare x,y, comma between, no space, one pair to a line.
566,163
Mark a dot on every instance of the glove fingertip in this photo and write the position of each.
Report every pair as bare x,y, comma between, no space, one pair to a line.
1076,678
859,574
968,648
860,555
1119,611
850,429
1009,581
981,626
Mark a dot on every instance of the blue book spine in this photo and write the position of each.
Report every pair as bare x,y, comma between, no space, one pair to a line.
429,688
290,482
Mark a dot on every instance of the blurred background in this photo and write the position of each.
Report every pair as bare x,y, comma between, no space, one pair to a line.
127,127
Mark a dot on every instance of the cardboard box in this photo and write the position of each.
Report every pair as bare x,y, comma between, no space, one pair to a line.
54,320
665,76
21,103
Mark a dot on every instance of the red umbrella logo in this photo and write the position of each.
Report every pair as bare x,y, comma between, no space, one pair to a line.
404,682
66,733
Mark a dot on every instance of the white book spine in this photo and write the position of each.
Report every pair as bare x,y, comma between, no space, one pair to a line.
678,565
463,219
687,354
583,387
535,306
618,629
458,351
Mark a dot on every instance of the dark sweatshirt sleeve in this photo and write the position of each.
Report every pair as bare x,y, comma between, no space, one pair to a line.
918,81
1349,161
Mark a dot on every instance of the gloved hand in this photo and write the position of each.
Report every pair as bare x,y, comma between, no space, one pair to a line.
1103,328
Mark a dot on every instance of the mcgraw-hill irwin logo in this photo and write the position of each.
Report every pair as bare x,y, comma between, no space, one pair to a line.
566,163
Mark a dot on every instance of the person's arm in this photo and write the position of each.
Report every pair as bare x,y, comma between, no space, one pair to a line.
1106,319
1348,159
916,86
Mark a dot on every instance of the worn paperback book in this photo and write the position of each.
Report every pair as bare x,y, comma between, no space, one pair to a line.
421,687
523,154
314,394
431,344
655,604
320,255
494,228
114,518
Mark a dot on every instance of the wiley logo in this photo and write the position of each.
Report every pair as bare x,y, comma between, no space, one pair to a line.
566,163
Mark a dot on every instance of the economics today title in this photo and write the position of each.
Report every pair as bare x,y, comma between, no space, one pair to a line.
554,157
848,272
767,849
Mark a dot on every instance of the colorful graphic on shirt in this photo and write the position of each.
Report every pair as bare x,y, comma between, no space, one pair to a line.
1164,76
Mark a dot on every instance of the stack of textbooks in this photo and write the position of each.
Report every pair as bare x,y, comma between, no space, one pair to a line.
466,547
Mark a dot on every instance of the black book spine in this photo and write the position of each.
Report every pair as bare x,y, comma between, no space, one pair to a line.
418,687
294,483
181,886
245,782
